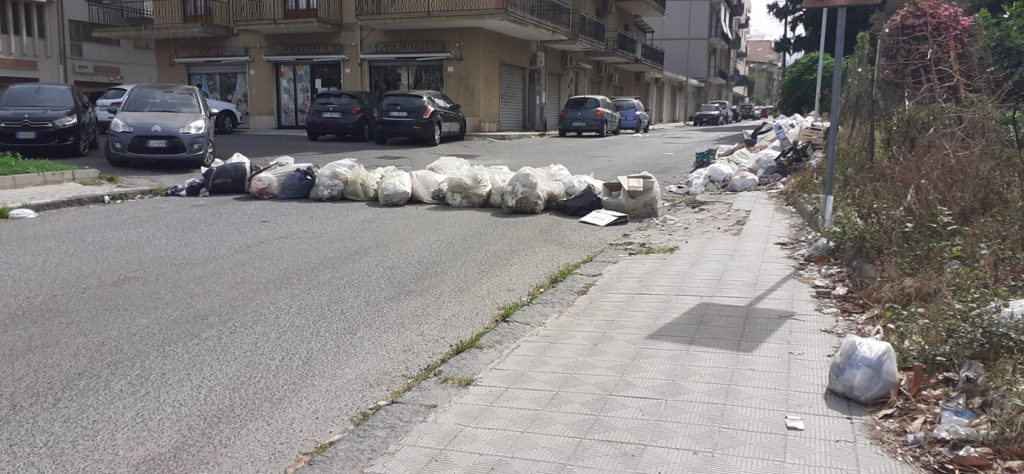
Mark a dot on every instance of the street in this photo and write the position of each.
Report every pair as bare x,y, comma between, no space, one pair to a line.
227,334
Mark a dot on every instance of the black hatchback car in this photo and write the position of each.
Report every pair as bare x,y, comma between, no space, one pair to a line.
47,118
426,115
341,113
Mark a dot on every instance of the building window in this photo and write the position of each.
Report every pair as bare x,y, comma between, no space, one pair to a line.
82,32
16,10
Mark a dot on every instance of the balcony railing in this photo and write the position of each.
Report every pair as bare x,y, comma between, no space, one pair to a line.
588,28
652,54
721,74
274,10
553,13
624,43
147,13
745,23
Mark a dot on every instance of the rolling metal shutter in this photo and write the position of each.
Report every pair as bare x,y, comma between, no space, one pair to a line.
512,87
553,100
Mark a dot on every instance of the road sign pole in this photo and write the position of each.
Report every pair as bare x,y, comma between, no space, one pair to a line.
821,62
833,129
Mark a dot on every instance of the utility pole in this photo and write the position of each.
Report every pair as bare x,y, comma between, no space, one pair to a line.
821,62
833,129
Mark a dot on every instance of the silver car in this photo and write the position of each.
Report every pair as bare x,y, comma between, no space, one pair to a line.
161,123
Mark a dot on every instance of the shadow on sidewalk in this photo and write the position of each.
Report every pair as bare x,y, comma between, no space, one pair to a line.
727,327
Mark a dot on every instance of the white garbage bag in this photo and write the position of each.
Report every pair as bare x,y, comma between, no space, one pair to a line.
268,184
448,164
424,184
395,188
719,172
362,185
499,179
332,179
864,369
525,192
698,181
467,188
742,181
21,213
762,160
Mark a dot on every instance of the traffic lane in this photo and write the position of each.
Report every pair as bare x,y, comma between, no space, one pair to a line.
229,334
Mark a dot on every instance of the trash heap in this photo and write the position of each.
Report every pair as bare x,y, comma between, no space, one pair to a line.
767,155
449,180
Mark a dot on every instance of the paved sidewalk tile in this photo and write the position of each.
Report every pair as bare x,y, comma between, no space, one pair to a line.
57,192
672,363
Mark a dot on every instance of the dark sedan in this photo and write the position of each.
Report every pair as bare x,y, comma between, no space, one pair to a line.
712,114
589,113
424,115
40,118
164,123
341,113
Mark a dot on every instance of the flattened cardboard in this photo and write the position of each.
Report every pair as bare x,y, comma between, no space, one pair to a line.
604,218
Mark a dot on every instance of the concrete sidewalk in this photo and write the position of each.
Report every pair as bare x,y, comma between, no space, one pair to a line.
54,196
686,362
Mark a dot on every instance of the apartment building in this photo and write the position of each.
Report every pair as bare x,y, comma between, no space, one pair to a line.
509,63
52,41
763,64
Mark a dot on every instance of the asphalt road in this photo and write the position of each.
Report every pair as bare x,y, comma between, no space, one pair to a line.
227,334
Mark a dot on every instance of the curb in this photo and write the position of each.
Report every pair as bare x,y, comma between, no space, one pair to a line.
87,199
17,181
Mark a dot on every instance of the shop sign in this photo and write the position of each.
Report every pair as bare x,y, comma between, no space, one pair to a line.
405,47
213,52
334,49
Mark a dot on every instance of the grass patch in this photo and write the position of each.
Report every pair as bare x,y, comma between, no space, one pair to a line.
159,191
5,212
586,289
461,381
654,250
428,406
13,163
109,178
692,202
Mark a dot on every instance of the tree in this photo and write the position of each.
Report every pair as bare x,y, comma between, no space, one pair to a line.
793,15
796,93
1005,30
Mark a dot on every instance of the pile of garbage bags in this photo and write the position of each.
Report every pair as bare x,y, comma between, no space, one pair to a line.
765,156
448,180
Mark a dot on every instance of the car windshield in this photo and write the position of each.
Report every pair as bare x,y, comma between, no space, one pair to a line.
709,108
336,99
402,101
112,94
37,96
162,100
626,104
582,103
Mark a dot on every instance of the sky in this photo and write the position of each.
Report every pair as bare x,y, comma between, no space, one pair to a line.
762,23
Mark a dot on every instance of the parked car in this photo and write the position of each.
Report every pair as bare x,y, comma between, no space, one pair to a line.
632,114
747,111
44,118
589,113
111,98
341,113
163,123
711,114
426,115
227,117
727,107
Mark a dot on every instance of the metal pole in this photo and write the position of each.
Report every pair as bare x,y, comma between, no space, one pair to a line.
833,129
871,116
821,62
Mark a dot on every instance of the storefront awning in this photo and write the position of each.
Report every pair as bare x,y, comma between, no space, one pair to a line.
220,60
305,59
414,56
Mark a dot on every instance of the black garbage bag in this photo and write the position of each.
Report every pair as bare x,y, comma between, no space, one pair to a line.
229,178
298,184
194,186
583,203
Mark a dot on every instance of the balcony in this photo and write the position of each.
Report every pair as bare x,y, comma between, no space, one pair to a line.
745,23
720,38
620,47
533,20
651,60
643,7
719,77
586,33
161,19
287,16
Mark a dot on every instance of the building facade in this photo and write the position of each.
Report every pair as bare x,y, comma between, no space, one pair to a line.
763,66
53,41
510,64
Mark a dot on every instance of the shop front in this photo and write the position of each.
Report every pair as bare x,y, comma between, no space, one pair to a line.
406,65
221,72
302,71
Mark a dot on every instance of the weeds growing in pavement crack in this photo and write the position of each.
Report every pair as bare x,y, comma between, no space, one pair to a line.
653,250
461,381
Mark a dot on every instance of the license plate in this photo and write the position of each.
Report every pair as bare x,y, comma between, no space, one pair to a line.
332,114
156,143
399,114
25,135
579,124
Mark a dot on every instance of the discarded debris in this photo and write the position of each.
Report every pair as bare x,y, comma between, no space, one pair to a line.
821,247
22,213
864,369
605,217
794,422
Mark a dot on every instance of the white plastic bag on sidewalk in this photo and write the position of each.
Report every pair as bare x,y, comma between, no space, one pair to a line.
864,369
424,184
395,188
719,173
447,165
467,188
362,185
332,179
742,181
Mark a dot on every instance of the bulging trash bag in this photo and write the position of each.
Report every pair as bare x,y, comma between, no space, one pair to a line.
557,179
742,181
395,188
698,181
362,185
268,183
581,203
332,179
447,165
864,369
499,179
298,184
643,201
525,192
194,187
424,184
228,178
719,173
467,188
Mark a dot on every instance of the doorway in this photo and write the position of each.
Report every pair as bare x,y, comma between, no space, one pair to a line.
298,85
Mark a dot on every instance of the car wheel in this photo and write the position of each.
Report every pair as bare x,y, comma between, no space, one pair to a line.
94,144
435,134
462,130
638,129
380,139
561,133
365,134
618,129
225,123
81,148
208,159
604,130
312,136
647,128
